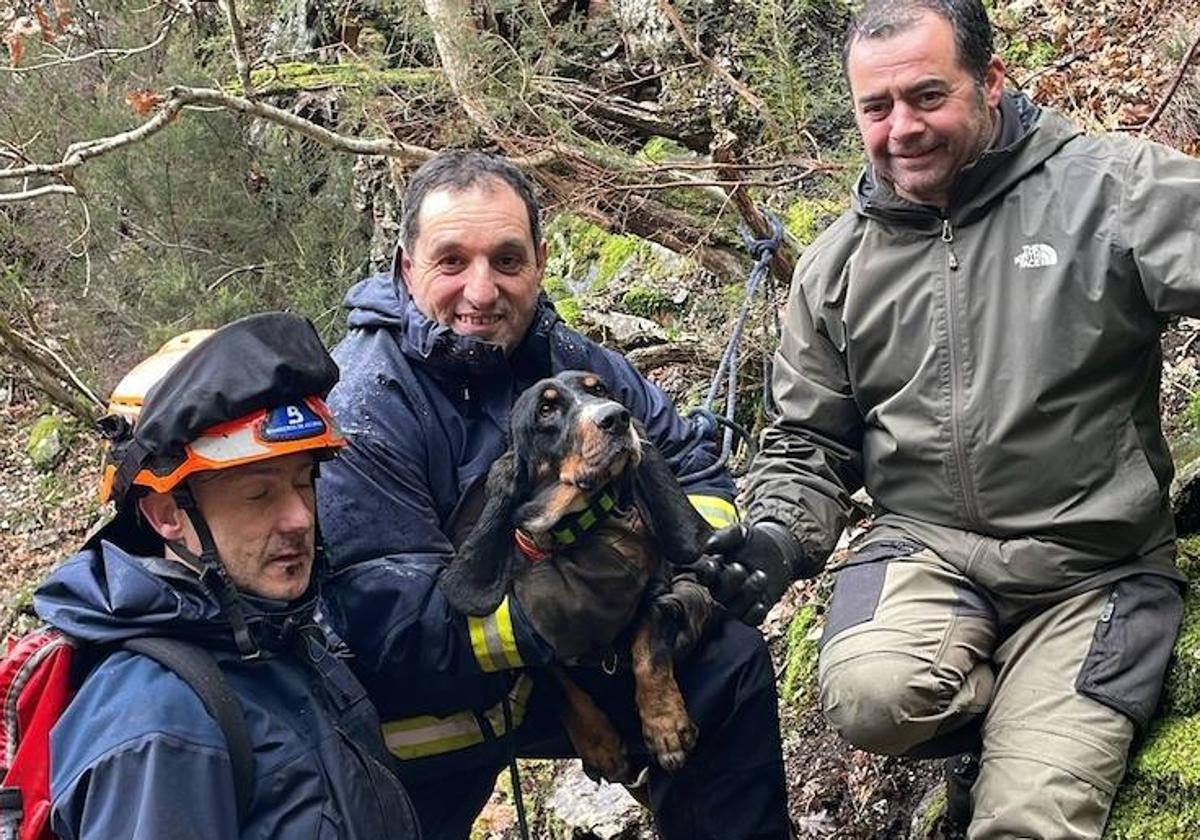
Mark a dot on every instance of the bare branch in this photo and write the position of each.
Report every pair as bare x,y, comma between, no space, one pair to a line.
683,351
453,30
386,146
233,272
37,192
732,182
1162,105
238,45
782,261
689,129
79,153
48,377
115,53
178,98
63,366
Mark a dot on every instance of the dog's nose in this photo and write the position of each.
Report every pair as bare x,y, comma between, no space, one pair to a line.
613,419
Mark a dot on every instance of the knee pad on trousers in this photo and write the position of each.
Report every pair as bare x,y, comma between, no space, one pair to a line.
876,702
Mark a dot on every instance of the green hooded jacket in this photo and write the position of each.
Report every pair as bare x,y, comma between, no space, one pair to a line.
994,368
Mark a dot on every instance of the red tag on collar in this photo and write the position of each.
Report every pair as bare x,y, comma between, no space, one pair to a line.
526,546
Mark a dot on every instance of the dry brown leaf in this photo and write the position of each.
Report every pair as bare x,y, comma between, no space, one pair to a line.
143,101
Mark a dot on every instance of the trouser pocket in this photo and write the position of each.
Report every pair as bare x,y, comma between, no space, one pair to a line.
1126,664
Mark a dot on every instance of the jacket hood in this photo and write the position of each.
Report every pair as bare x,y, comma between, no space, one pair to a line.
1042,132
383,301
104,594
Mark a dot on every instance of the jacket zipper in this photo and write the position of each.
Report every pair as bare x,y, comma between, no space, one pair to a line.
956,383
948,238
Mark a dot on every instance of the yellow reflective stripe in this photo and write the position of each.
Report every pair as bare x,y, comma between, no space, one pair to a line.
425,735
493,640
506,637
717,511
518,698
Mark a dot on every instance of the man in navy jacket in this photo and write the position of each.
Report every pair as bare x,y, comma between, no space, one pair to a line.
437,352
214,444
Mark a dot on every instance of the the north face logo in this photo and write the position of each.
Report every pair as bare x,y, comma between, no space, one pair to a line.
1037,255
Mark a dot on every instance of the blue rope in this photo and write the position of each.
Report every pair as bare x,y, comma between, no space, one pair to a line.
763,251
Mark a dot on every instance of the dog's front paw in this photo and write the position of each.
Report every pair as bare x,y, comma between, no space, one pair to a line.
606,759
669,733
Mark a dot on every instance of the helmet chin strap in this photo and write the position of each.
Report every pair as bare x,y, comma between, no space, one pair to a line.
207,566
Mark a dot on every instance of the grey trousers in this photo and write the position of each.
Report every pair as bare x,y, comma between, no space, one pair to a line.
915,659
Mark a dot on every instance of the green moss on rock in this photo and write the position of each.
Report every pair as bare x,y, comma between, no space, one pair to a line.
1189,557
585,257
661,149
931,815
800,661
1137,818
49,440
570,311
614,252
1182,691
640,299
1160,796
292,76
1170,757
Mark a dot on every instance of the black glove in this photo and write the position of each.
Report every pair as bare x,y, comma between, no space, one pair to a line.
749,567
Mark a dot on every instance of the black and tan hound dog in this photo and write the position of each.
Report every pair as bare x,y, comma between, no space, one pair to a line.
580,472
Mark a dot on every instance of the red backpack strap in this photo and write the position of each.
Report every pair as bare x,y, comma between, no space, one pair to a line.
35,685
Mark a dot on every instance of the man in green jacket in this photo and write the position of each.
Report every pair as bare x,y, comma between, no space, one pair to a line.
976,342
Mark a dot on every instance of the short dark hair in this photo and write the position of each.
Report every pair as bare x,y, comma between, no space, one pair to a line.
968,18
459,170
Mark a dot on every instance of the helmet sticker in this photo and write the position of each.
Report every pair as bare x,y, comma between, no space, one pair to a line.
290,422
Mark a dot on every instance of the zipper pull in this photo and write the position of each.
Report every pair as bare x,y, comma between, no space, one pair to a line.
948,238
1109,608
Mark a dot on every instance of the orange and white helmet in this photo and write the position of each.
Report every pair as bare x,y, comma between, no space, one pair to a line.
212,400
127,398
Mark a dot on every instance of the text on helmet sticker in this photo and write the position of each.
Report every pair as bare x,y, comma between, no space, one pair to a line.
290,422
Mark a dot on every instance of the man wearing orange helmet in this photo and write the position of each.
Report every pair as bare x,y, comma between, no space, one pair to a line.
215,443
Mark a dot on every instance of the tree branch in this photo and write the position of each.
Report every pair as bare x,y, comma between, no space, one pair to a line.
79,153
385,146
115,53
453,31
237,37
782,263
683,351
178,98
694,133
37,192
80,402
1162,105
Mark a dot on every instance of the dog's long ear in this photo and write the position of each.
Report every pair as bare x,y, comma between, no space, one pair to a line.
482,569
678,528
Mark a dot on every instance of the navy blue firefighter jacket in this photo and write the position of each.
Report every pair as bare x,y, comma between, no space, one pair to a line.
427,411
137,757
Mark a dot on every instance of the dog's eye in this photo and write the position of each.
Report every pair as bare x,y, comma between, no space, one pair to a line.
545,409
596,388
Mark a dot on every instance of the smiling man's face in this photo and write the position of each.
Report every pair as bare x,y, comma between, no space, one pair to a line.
474,265
923,117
